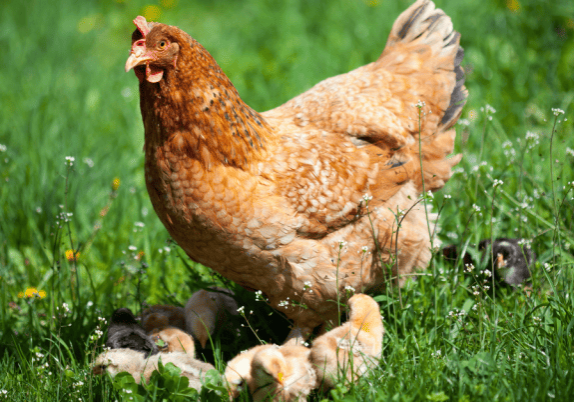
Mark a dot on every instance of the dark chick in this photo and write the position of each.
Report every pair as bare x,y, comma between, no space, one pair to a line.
125,333
511,259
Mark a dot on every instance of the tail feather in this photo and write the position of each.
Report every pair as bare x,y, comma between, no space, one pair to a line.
423,23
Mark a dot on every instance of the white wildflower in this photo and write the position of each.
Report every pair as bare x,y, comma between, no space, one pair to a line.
557,112
89,162
367,197
132,248
3,148
70,160
241,310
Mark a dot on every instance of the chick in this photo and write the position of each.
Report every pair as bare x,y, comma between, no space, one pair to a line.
282,373
238,371
205,311
191,368
160,316
350,350
124,332
512,260
115,361
175,340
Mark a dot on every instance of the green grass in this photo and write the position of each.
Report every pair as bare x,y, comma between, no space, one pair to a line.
64,93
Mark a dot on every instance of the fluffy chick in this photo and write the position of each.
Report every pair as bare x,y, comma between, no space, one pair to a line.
350,350
205,311
115,361
175,340
512,259
124,332
159,316
238,371
282,373
191,368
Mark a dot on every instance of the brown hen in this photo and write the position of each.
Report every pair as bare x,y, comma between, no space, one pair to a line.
280,201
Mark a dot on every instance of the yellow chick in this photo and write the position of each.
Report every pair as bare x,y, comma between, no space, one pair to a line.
238,370
174,339
191,368
115,361
205,311
282,373
160,316
350,350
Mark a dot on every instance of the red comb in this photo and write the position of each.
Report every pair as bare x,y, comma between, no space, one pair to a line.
141,23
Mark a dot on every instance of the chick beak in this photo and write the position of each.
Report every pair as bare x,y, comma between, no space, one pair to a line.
280,378
138,55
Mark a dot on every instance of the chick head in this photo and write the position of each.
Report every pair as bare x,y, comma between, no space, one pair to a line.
269,371
115,361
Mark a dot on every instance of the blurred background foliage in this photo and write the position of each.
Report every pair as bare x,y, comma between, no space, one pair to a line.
64,92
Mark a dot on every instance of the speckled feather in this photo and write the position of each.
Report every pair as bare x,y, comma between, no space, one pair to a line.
265,199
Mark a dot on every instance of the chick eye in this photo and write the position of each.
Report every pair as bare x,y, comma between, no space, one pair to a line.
162,44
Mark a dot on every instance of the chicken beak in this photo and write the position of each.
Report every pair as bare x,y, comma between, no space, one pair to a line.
138,55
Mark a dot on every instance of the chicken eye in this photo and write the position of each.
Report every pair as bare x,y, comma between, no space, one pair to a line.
162,44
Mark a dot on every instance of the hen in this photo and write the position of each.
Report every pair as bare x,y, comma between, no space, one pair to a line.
281,201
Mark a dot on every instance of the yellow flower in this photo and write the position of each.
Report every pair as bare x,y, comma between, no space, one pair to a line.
70,255
116,184
151,13
513,5
32,292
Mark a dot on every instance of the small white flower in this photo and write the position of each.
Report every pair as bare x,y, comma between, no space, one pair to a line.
476,207
557,112
367,197
364,249
89,162
241,310
90,304
3,148
342,243
70,160
139,224
132,248
420,104
350,289
497,183
447,196
464,122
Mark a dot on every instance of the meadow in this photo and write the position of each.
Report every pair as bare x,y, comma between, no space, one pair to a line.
79,237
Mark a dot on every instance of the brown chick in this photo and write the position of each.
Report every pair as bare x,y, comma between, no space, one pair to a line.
174,339
282,373
159,316
115,361
206,311
348,351
279,199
